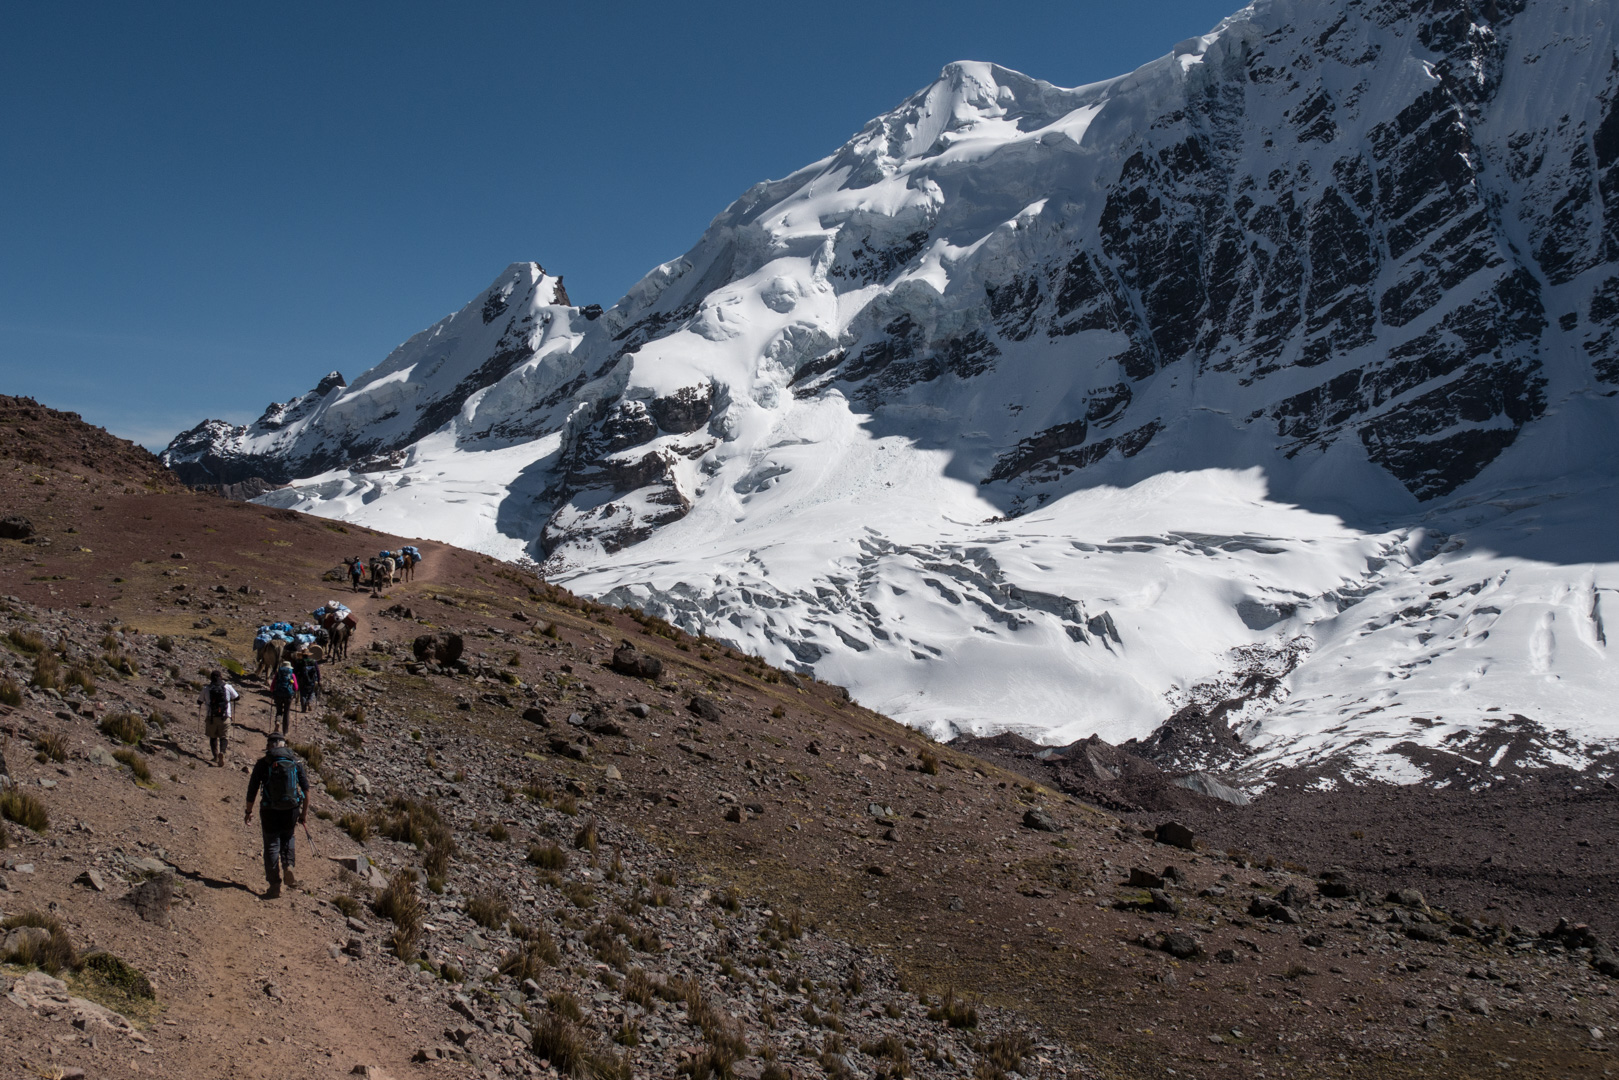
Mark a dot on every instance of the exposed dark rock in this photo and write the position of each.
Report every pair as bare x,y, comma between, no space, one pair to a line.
442,647
152,897
704,708
627,660
16,527
1175,834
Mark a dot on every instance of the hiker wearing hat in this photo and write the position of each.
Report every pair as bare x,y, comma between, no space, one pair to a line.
356,572
216,701
285,781
283,688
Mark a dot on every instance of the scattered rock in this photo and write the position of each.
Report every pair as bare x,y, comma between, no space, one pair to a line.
1182,946
628,660
1037,818
1174,834
1266,907
536,715
16,527
639,709
1204,784
442,647
152,897
705,708
93,879
1145,879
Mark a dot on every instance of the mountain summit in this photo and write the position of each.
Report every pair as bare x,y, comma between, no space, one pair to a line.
1275,380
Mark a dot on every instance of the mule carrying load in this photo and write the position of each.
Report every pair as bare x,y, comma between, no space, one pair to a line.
338,623
408,557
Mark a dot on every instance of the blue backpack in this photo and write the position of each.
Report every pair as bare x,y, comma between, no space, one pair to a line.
283,683
281,788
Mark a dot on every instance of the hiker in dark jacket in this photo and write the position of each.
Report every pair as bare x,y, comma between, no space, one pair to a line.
356,572
216,701
285,782
307,671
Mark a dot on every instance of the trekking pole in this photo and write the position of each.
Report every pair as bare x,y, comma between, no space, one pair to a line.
310,837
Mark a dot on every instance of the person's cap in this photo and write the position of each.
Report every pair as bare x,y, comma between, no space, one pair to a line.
275,738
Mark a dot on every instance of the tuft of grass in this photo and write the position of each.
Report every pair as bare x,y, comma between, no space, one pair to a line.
46,669
127,728
348,905
311,753
530,959
585,839
930,762
52,746
166,643
638,988
549,857
489,909
499,833
25,809
26,640
81,678
400,904
570,1051
10,692
954,1011
358,826
137,765
51,952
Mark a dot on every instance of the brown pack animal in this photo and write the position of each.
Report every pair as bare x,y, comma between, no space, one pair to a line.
338,632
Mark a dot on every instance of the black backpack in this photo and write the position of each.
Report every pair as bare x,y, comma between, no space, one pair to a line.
218,700
281,788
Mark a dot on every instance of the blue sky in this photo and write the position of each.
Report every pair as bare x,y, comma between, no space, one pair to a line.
204,208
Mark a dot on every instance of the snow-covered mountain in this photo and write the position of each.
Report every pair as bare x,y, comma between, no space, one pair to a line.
1282,372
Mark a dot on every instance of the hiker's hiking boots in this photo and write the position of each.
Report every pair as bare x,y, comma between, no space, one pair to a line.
274,891
288,877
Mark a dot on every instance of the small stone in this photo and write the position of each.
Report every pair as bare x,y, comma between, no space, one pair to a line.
955,904
640,709
1162,901
612,773
93,879
734,814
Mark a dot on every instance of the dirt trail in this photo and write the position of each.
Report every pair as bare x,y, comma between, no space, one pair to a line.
265,991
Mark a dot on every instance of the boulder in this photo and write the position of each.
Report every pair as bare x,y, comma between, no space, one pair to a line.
536,715
1036,818
628,660
1182,946
1174,834
16,527
152,897
704,708
1145,879
441,648
1266,907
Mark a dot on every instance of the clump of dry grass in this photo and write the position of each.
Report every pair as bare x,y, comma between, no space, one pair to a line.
400,904
126,727
489,908
25,809
51,951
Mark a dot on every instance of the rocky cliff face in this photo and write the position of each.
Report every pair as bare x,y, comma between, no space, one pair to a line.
1024,383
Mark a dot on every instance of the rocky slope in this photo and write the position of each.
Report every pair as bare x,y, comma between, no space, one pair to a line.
1315,313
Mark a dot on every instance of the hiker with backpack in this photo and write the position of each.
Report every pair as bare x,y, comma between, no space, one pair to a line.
356,572
306,670
283,688
285,781
216,701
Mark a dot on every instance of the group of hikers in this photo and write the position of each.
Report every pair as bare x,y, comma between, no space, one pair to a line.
384,570
280,775
291,655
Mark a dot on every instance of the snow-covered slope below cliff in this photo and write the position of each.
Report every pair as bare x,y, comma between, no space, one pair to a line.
1060,408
